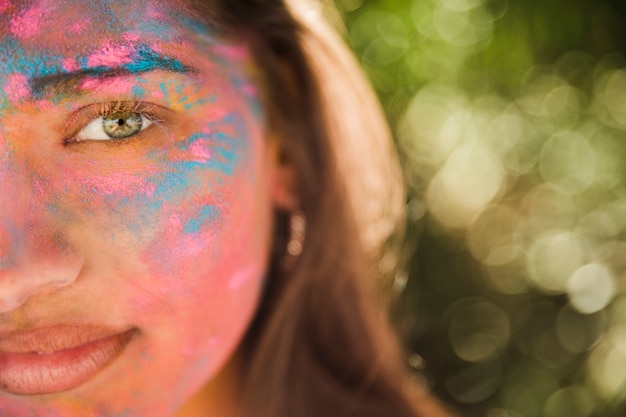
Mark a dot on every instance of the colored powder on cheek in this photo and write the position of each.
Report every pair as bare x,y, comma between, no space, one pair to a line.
205,214
17,87
241,277
125,186
27,24
200,150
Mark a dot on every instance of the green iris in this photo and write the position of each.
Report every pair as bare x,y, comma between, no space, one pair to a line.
121,125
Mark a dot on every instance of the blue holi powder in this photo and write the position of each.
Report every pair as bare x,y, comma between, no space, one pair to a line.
144,60
138,91
198,102
16,60
174,183
253,102
42,68
163,88
225,152
206,213
148,60
191,140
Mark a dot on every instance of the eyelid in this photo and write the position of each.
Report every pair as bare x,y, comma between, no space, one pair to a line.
85,115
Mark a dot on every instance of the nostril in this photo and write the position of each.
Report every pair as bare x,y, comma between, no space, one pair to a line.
8,303
18,286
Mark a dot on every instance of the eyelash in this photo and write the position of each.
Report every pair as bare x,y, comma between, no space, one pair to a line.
93,113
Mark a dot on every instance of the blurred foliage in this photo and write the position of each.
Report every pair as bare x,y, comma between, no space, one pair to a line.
511,120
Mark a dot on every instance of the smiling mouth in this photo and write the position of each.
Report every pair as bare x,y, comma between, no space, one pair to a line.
57,358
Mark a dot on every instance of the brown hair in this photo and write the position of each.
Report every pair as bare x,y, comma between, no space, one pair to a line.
319,345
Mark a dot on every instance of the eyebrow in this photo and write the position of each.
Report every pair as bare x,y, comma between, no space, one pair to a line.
64,83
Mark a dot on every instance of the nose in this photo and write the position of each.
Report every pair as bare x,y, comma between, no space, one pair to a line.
34,255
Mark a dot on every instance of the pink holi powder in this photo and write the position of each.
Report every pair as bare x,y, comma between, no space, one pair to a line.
116,185
200,150
249,89
44,105
157,95
236,52
69,64
113,84
17,87
39,187
27,24
154,14
156,47
125,186
4,4
241,277
110,55
79,27
130,37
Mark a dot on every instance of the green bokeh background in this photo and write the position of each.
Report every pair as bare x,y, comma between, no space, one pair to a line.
510,116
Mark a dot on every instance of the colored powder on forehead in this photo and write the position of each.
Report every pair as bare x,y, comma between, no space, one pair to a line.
16,87
233,52
130,37
4,4
110,55
16,59
69,65
27,24
79,27
122,86
147,60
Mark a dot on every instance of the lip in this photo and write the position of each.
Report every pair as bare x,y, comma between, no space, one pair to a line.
57,358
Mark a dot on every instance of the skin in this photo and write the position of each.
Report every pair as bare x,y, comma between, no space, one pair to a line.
166,231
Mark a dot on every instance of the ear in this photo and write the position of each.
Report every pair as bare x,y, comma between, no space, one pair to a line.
283,180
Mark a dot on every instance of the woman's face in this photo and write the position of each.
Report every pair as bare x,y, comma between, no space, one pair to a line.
135,205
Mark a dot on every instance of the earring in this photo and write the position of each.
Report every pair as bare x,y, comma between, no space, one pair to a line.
297,232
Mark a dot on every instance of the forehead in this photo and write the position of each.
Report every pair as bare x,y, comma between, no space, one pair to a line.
65,28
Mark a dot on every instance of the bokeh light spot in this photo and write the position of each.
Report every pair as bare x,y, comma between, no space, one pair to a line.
552,258
613,97
591,287
568,162
479,331
492,238
571,401
607,369
469,180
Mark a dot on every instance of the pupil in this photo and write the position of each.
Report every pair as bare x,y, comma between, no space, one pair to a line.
120,122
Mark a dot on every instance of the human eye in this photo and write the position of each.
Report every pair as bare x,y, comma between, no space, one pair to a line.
114,122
